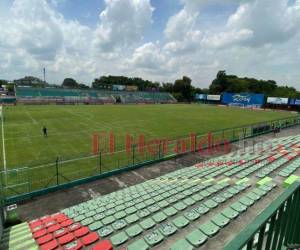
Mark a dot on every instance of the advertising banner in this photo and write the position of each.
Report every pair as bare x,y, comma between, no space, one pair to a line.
131,88
277,100
200,96
243,99
213,97
118,87
295,102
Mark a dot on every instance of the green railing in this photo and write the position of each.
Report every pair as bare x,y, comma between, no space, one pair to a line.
276,228
36,178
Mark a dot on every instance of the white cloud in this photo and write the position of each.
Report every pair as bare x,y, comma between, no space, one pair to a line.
271,21
122,23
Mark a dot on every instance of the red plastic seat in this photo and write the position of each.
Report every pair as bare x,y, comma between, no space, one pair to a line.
50,245
54,216
47,220
61,219
103,245
36,223
66,239
74,227
37,228
39,233
66,223
60,232
90,238
73,245
81,232
44,239
53,228
50,223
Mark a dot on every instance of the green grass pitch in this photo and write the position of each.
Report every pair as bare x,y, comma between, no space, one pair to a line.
70,130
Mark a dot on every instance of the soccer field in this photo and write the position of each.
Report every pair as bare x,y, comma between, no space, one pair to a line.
70,130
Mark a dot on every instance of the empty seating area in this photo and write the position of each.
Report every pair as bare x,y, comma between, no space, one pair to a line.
27,95
181,210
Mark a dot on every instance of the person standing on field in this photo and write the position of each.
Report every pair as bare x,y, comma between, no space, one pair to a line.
45,131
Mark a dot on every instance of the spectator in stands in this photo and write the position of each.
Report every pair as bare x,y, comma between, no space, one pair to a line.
45,131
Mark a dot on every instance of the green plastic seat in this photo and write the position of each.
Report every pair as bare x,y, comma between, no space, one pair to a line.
209,228
189,201
180,222
246,201
130,210
159,217
154,238
219,199
196,238
119,208
172,199
149,202
259,192
109,212
100,216
138,245
253,196
95,226
192,215
204,193
105,231
170,211
180,205
230,213
163,204
167,229
90,214
233,190
131,218
134,231
119,224
182,245
108,220
119,239
79,218
197,197
87,221
147,223
143,213
202,209
210,203
239,207
220,220
227,195
153,208
120,215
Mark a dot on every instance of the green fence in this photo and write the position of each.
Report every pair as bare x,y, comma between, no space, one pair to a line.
28,181
276,228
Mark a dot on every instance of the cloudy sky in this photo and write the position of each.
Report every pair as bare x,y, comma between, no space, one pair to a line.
154,39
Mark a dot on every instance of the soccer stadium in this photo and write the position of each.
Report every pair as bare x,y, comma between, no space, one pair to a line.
126,133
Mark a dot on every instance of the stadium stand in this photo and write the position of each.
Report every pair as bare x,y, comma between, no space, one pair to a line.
145,215
55,95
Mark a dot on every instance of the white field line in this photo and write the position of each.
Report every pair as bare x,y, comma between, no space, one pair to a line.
32,119
3,140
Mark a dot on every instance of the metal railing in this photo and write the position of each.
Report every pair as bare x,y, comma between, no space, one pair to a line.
21,182
276,227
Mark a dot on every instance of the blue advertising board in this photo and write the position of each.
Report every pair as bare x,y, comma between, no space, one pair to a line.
294,102
243,99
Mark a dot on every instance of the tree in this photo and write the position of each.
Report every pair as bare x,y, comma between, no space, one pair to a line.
3,82
232,83
69,83
184,87
83,86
